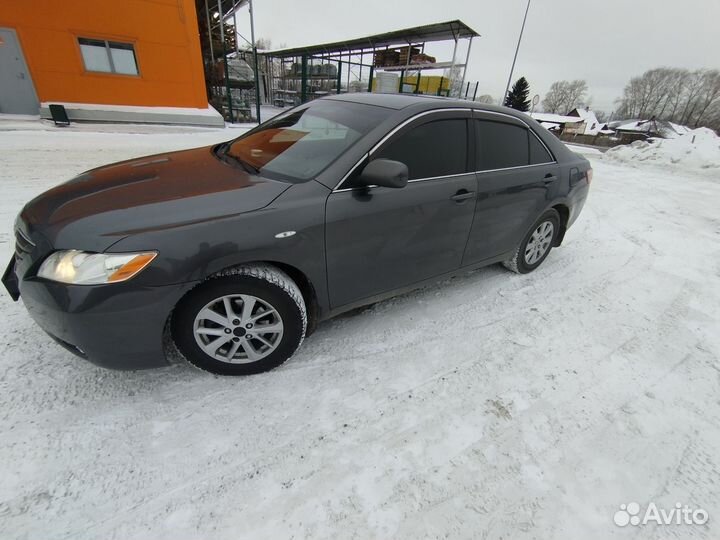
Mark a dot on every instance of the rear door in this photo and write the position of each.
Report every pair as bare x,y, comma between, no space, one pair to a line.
517,176
380,239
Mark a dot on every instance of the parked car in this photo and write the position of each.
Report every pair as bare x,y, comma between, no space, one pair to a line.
238,250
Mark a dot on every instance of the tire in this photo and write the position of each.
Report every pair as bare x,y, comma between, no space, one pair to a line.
264,326
526,258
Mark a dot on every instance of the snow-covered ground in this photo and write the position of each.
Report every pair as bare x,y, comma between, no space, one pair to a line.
488,406
696,149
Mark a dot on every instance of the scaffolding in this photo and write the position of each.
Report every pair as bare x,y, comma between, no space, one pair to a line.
391,62
231,71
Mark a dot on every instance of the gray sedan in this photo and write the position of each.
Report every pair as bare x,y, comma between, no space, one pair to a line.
237,251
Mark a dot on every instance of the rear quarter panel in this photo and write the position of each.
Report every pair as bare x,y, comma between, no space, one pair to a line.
576,185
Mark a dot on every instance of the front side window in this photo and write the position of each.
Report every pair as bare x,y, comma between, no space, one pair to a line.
108,56
437,148
302,143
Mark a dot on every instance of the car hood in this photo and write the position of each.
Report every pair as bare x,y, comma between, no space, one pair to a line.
104,205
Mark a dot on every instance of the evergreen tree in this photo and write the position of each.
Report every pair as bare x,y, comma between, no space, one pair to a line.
517,98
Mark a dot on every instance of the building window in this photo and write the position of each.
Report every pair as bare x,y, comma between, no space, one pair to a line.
108,56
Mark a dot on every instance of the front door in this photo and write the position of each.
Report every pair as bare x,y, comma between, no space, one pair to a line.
380,239
17,93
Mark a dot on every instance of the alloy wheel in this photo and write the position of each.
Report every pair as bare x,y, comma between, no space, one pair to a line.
238,329
539,242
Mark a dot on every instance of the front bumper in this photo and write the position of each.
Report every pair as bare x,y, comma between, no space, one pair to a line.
117,326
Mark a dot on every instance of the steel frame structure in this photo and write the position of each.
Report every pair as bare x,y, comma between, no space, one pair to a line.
302,81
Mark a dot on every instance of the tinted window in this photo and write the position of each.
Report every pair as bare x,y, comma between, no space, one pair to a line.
538,152
301,143
437,148
501,145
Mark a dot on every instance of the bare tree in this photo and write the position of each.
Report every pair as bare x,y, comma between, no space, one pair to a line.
673,94
263,44
486,98
564,96
712,118
709,94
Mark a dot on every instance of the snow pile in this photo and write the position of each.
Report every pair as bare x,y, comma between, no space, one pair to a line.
697,149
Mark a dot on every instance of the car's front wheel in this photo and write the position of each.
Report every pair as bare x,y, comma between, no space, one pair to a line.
246,320
536,244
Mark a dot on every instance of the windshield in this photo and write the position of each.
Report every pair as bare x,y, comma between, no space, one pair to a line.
301,143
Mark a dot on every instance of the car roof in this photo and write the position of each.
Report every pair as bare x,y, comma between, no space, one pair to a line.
401,101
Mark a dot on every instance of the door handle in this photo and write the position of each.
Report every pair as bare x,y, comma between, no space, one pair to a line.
463,195
549,178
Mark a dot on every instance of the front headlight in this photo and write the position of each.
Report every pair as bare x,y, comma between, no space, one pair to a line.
81,268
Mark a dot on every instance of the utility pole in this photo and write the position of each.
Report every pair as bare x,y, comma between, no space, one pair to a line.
517,48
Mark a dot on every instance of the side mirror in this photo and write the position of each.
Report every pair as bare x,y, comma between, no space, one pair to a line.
385,173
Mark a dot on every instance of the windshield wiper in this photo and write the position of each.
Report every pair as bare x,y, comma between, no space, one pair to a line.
245,165
221,152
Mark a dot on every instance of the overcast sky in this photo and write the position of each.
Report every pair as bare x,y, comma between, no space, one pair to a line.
604,41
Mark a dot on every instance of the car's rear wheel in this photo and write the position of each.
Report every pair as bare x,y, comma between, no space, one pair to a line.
536,244
245,320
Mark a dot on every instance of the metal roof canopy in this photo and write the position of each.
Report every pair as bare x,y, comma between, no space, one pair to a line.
445,31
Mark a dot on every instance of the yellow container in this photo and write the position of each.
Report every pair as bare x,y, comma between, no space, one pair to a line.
429,84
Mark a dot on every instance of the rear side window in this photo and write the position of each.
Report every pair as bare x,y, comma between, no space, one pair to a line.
501,145
538,152
436,148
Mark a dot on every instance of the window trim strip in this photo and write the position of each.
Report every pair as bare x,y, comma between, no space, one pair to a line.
409,181
517,167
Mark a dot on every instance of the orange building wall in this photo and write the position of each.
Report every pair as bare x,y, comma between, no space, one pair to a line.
164,33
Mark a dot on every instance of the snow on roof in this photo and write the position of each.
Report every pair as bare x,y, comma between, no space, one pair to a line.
555,118
663,128
585,114
593,126
633,125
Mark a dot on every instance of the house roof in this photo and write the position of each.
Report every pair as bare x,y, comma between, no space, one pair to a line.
443,31
663,128
585,114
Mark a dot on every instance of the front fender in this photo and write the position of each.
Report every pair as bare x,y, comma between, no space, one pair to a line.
194,252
